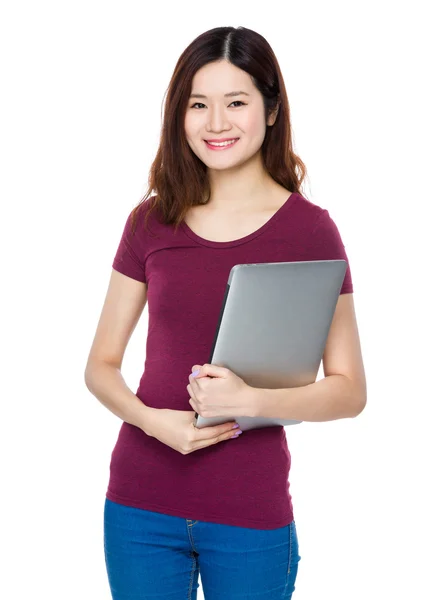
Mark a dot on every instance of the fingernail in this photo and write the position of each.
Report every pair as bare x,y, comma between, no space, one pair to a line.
235,426
237,433
195,373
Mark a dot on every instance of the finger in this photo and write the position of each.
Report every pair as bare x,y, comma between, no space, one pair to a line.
220,433
193,381
193,404
193,385
192,394
214,432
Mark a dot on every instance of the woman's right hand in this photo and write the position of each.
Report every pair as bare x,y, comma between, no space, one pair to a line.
175,429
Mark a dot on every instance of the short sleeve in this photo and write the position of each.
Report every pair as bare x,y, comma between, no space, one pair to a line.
129,258
326,244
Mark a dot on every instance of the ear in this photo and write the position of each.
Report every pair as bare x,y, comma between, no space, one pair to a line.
273,116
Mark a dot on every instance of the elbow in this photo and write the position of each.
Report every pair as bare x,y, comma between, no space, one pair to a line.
360,407
358,397
87,377
92,370
361,403
89,374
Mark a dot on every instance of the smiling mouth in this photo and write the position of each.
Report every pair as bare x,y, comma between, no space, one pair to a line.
221,145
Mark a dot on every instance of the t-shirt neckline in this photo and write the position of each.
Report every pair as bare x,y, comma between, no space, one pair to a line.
229,244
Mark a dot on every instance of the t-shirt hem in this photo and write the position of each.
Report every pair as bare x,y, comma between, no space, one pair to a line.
196,515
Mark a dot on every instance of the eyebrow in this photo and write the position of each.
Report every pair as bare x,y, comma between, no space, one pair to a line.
226,95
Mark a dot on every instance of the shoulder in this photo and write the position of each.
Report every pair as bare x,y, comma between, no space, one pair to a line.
140,211
140,219
322,231
311,214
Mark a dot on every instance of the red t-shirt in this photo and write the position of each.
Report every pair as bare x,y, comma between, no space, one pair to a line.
241,482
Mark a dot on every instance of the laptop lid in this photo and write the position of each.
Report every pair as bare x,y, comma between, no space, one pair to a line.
273,326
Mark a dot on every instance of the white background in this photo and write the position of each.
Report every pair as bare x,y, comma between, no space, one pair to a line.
82,91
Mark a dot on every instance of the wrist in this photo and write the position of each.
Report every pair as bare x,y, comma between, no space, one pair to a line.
252,401
146,420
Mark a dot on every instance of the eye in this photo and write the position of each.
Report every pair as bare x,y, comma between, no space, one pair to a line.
238,101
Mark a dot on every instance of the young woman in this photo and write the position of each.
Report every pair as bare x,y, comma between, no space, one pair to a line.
183,501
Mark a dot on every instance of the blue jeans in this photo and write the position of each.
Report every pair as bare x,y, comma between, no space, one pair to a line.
151,555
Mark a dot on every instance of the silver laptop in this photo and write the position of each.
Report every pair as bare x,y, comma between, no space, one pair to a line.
273,325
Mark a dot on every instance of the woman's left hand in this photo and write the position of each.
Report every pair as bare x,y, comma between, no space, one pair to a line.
217,392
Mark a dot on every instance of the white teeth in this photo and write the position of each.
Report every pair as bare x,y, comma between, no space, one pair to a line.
222,143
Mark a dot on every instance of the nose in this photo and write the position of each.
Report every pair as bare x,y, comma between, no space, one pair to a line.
217,120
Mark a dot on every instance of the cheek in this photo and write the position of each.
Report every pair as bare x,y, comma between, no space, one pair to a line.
192,125
254,126
188,130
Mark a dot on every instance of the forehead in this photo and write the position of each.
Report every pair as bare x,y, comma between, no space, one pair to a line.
220,78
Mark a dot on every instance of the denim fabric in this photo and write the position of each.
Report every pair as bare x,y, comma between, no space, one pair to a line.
154,556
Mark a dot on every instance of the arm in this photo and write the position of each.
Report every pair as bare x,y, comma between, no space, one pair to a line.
106,383
342,393
124,303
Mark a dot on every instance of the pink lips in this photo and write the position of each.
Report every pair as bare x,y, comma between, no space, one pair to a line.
221,147
220,140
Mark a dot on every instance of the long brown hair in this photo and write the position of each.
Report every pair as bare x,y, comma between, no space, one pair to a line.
177,176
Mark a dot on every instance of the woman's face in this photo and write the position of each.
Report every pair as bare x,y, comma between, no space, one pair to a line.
216,116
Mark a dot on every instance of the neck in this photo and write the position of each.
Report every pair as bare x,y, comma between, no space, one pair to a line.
242,188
